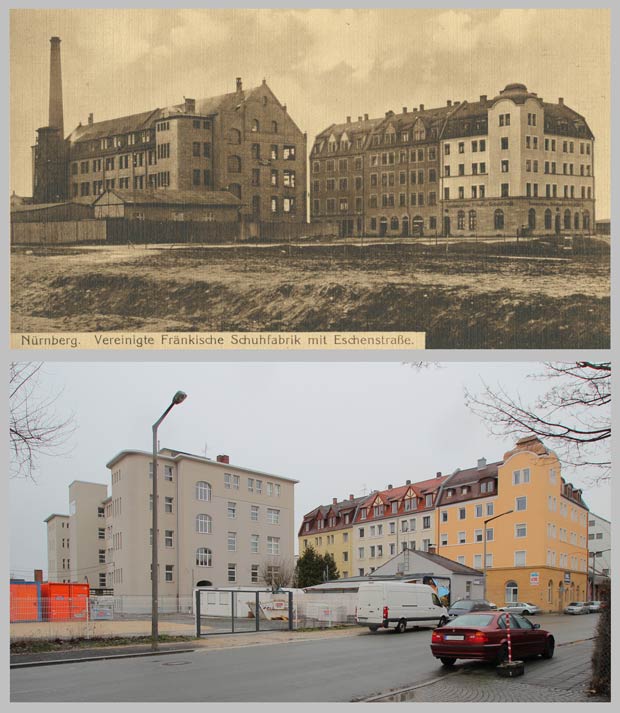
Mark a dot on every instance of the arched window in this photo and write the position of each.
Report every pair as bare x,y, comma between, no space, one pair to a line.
394,223
204,524
576,221
531,219
274,127
472,219
204,557
235,189
548,219
234,164
498,219
512,592
567,219
550,591
203,490
460,220
234,136
586,220
255,125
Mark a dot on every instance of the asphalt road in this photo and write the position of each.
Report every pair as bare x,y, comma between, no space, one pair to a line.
337,669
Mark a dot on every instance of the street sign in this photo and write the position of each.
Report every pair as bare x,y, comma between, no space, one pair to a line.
566,577
534,578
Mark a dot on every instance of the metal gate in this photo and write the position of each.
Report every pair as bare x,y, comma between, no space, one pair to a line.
237,611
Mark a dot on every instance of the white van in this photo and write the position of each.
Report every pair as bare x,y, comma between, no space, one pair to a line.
396,604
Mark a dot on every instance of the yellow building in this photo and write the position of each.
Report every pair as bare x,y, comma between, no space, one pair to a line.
329,529
536,527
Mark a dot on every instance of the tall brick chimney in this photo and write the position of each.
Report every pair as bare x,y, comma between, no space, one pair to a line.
223,459
55,107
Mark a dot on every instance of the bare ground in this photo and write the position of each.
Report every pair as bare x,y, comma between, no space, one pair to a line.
476,296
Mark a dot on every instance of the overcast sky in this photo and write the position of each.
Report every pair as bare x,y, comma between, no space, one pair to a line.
337,428
324,64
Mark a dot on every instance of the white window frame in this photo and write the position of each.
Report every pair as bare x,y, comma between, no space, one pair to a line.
204,523
273,516
231,542
517,557
231,510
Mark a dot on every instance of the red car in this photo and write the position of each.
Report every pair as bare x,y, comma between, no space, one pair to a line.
483,635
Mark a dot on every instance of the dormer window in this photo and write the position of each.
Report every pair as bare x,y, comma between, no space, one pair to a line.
319,524
394,507
464,490
307,527
378,510
450,492
429,501
363,513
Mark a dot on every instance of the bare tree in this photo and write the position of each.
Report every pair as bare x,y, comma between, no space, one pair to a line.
277,573
573,415
35,428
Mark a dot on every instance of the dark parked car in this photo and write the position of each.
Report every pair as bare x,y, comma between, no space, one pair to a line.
483,635
465,606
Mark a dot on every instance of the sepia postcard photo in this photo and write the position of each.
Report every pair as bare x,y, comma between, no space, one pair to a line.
251,178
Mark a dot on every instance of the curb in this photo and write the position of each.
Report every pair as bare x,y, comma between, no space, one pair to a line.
30,664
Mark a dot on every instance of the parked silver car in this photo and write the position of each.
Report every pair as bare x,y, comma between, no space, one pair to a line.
521,608
577,608
594,607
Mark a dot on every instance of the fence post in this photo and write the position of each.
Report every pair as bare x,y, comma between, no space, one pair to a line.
232,612
257,611
198,613
290,611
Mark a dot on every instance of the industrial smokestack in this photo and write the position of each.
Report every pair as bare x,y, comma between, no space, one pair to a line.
55,108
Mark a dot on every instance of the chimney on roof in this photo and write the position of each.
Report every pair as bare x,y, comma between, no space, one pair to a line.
239,84
449,102
55,119
348,119
438,474
351,497
407,482
334,501
421,107
389,487
482,463
404,110
365,117
223,459
483,98
38,575
90,119
359,118
561,101
432,550
190,106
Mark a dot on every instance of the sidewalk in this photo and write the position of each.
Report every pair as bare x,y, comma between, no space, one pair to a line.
563,679
213,642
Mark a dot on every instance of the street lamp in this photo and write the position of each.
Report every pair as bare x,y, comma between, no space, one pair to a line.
484,556
178,398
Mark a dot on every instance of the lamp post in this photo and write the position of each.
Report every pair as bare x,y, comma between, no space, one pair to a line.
484,556
178,398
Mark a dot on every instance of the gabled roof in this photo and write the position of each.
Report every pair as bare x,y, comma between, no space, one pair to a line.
171,197
453,566
349,127
112,127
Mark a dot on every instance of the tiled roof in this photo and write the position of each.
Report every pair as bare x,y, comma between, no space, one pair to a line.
111,127
171,197
447,563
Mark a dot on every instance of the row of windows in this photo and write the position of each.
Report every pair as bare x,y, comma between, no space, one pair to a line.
97,165
476,168
204,555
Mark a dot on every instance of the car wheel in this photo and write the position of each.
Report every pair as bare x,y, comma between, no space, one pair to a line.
401,626
447,661
502,654
525,612
373,627
549,648
442,621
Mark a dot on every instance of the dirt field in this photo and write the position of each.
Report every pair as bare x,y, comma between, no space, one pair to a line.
465,296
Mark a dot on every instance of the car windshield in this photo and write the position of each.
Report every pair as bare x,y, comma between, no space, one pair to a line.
575,604
468,621
461,605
